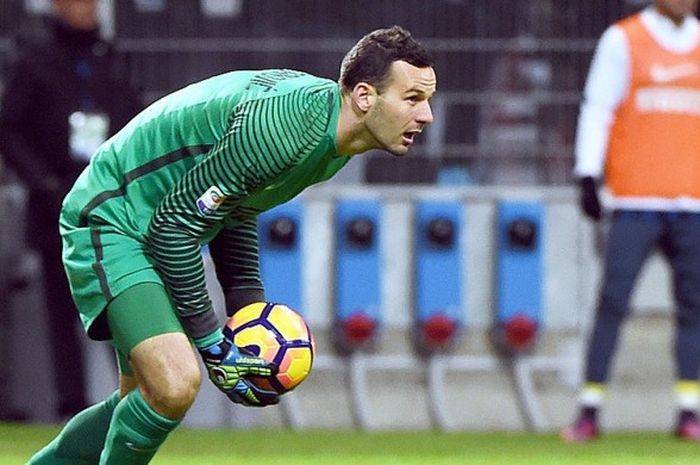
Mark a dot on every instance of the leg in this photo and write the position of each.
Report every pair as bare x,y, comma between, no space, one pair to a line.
61,312
68,366
682,248
168,379
168,373
84,437
165,379
632,237
81,440
7,411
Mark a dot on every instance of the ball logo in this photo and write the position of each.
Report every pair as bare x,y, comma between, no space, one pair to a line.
210,201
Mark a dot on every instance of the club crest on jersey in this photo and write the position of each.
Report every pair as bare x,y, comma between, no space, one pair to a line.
210,201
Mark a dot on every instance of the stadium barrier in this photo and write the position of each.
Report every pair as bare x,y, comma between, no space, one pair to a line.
432,287
439,278
519,276
280,235
357,271
568,273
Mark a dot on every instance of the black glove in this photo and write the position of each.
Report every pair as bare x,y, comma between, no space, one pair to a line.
590,204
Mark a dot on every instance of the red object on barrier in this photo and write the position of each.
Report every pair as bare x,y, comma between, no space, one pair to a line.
358,328
520,332
438,331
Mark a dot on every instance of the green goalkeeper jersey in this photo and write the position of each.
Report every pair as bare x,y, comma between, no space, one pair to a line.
199,165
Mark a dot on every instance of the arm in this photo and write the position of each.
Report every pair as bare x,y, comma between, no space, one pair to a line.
235,255
606,87
256,149
17,110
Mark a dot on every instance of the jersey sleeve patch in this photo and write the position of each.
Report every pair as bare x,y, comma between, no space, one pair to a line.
211,200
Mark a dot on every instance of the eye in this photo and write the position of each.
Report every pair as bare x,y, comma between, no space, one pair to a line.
412,98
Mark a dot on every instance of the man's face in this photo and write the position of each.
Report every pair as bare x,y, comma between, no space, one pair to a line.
402,109
79,14
676,9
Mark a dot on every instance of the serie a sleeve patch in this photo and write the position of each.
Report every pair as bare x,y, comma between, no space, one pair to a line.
211,200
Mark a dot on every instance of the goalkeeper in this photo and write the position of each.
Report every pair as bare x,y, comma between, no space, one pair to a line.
197,167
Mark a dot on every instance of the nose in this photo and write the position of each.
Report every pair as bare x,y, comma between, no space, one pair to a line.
425,114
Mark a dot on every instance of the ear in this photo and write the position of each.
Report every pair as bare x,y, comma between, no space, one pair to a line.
364,95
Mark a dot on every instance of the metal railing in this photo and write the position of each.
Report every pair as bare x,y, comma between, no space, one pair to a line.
490,57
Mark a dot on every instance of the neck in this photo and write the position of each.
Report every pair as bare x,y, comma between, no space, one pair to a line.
70,34
676,19
352,136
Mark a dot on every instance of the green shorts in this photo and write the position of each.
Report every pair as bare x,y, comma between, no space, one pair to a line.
101,263
108,270
139,313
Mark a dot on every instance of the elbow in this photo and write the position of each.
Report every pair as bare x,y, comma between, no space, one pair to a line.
166,232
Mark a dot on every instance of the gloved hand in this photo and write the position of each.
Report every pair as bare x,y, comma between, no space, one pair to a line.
590,204
228,367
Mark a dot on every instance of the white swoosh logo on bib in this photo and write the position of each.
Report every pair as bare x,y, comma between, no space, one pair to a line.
661,74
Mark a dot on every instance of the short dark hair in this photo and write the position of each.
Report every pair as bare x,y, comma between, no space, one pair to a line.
370,59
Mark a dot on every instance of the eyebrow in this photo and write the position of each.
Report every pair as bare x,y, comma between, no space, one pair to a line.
419,91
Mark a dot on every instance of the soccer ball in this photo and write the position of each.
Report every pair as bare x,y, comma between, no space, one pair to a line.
278,334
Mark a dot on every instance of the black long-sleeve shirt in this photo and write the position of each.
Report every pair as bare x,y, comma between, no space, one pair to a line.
53,75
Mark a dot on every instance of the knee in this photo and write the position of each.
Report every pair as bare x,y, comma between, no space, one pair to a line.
688,319
173,393
167,372
613,305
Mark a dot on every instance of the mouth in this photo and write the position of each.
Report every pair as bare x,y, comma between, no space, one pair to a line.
409,136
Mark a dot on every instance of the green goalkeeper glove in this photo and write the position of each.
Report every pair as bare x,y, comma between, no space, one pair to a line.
228,367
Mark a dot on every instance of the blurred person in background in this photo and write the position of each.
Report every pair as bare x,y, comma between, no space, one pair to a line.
639,133
8,265
516,126
64,95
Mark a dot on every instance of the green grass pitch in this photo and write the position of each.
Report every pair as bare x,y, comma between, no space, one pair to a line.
311,447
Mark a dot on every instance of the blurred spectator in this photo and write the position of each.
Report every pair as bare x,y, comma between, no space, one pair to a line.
8,263
510,129
514,124
639,128
64,95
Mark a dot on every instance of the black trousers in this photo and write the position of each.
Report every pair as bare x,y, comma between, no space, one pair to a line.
62,316
633,236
